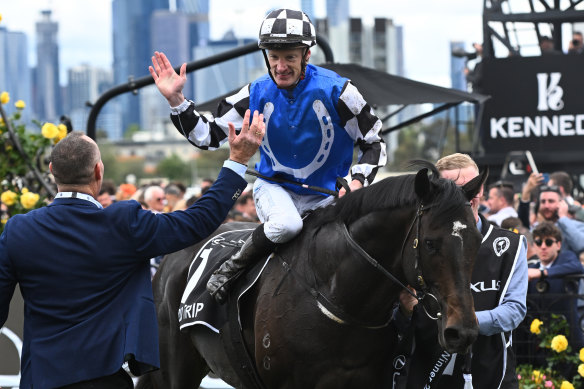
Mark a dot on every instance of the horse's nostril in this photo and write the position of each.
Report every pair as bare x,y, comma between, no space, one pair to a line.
451,334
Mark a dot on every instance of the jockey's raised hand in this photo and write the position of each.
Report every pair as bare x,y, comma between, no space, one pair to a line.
243,146
169,83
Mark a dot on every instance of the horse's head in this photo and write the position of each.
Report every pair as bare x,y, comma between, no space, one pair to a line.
443,242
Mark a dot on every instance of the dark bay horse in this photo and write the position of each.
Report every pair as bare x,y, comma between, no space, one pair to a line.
318,315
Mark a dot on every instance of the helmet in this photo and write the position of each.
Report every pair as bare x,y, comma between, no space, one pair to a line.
286,28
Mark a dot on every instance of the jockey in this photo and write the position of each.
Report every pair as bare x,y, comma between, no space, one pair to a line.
314,118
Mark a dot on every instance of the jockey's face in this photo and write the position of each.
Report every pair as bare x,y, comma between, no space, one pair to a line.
286,66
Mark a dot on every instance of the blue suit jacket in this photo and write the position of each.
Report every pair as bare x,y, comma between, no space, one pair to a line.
84,275
567,263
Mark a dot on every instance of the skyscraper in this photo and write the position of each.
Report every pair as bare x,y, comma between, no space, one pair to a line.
226,76
14,72
86,83
308,7
337,12
47,89
198,12
132,48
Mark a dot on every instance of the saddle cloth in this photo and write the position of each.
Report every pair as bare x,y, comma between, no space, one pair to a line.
197,306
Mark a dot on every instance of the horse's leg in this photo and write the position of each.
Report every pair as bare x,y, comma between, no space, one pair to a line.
181,365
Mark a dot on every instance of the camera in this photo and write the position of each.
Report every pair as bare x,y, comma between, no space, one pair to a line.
576,42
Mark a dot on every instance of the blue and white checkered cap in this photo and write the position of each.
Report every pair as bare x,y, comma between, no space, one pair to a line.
285,28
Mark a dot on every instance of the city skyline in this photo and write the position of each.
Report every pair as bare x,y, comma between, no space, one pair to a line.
85,28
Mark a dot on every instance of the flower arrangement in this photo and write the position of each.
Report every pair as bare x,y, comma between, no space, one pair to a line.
23,175
559,358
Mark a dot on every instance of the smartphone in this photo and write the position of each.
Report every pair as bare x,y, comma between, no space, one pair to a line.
546,177
532,162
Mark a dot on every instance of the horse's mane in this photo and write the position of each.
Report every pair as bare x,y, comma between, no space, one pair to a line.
391,192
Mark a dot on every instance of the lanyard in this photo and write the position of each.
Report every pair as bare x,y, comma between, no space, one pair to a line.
77,195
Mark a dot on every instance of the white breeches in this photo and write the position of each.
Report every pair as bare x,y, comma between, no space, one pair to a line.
281,209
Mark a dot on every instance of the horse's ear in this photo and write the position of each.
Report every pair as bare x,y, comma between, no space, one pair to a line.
422,183
473,187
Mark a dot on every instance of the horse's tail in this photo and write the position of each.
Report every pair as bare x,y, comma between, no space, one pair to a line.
145,382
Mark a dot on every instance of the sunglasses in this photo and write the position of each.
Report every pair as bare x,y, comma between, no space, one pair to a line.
549,188
548,242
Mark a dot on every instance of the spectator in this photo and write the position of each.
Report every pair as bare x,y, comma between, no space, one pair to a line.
173,196
475,76
553,208
500,202
547,276
107,193
246,207
498,285
125,192
576,45
546,46
83,270
154,198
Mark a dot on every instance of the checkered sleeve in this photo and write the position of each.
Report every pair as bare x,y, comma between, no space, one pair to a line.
361,123
209,132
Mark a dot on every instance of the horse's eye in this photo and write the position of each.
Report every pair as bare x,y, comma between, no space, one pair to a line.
431,245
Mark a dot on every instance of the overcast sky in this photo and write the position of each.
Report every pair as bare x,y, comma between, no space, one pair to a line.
85,34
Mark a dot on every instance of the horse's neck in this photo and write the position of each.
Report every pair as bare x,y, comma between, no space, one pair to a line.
345,275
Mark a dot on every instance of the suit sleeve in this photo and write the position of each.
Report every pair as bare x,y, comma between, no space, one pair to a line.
568,266
361,123
7,278
159,234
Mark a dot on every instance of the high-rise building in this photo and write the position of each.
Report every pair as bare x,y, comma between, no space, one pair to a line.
85,84
132,48
199,27
15,77
457,65
222,78
462,113
308,7
47,89
337,12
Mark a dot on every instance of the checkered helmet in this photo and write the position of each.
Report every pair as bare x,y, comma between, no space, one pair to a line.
286,28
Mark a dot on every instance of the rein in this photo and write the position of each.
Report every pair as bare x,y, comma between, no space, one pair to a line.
422,287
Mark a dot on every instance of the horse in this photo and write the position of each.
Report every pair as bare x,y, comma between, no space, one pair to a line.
319,315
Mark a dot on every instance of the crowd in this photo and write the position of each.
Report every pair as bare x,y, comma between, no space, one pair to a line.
172,196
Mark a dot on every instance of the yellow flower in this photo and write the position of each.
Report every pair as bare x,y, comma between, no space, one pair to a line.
582,354
24,190
534,328
8,198
20,104
29,199
559,343
4,220
537,377
566,385
4,97
581,369
49,130
62,133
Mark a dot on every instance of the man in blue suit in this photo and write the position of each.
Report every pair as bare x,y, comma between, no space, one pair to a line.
547,285
84,270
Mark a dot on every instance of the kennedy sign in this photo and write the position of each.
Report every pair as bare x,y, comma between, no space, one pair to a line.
537,104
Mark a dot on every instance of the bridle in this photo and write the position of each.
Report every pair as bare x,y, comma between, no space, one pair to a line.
337,314
423,291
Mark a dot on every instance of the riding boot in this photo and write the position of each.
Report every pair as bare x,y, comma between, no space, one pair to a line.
256,246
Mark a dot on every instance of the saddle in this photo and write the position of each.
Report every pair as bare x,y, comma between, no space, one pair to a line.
197,306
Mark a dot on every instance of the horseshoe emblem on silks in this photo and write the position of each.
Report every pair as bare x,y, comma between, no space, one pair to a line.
328,134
